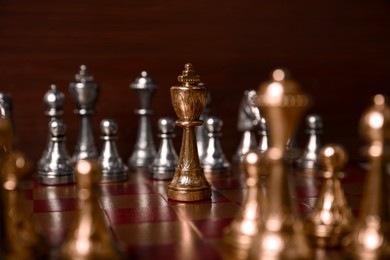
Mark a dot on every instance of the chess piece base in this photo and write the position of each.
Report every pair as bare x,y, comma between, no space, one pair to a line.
114,177
189,195
50,178
161,173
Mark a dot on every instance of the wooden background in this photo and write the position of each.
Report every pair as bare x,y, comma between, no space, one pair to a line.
338,50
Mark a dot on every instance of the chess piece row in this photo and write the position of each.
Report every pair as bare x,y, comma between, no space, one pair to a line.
22,238
268,226
252,121
56,166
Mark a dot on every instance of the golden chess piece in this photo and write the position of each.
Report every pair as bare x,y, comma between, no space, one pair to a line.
21,237
189,100
281,235
331,218
239,234
370,238
89,237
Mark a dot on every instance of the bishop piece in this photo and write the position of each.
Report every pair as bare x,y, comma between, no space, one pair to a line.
113,169
144,149
370,238
189,100
89,237
84,93
165,162
281,234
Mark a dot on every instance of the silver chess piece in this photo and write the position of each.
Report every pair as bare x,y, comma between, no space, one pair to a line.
56,167
6,108
201,131
164,163
214,161
246,125
113,169
84,93
263,136
310,156
144,148
54,101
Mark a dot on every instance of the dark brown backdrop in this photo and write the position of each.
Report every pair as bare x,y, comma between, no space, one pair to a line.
338,50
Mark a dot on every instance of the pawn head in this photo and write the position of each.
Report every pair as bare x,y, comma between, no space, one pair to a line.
333,158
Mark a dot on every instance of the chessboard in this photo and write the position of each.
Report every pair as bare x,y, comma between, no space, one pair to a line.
148,225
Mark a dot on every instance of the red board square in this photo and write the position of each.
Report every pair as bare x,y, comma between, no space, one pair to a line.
141,215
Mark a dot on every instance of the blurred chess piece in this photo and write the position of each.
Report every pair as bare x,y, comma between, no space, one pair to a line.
6,108
309,158
246,118
54,101
165,162
331,218
144,149
56,168
201,131
370,238
238,236
214,161
84,93
89,237
113,168
21,237
281,236
189,100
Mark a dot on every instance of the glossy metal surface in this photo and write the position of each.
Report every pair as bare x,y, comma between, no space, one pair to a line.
56,168
245,124
144,148
201,131
89,237
113,168
332,217
314,129
21,237
54,101
214,161
189,182
281,235
238,236
165,162
370,238
84,93
6,108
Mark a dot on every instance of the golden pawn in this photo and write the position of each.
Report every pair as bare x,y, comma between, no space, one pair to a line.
370,237
89,237
21,238
331,218
281,235
239,234
189,100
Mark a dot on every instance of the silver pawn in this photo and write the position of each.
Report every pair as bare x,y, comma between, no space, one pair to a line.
263,136
201,132
113,169
144,148
164,163
214,161
54,101
309,158
246,125
6,108
56,169
84,94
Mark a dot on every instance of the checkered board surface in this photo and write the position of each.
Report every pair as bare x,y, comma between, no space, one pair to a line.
149,226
